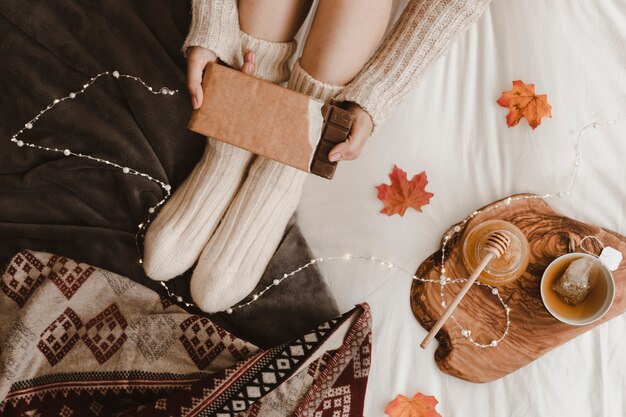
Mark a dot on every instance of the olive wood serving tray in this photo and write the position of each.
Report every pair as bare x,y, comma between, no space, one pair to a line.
533,330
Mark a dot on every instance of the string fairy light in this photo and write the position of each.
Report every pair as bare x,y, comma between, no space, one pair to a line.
446,238
68,152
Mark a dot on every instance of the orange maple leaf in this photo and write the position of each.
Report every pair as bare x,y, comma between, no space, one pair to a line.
402,193
523,102
419,406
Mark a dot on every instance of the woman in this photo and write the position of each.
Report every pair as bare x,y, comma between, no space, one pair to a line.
231,213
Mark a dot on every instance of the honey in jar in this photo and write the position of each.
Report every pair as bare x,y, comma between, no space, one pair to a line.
508,267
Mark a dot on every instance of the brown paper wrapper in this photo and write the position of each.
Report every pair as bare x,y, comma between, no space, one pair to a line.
267,119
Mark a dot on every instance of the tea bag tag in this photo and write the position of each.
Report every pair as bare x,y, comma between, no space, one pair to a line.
611,258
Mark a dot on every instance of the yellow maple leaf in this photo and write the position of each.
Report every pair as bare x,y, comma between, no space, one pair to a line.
523,102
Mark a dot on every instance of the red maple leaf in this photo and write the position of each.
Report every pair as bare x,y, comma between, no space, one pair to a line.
523,102
419,406
402,193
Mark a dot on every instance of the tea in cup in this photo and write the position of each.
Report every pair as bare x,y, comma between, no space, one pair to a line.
595,304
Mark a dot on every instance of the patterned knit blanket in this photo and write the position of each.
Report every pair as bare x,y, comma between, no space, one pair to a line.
76,340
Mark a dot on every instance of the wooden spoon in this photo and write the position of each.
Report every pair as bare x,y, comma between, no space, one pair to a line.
497,243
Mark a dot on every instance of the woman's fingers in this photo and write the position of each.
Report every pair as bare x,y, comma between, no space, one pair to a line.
249,55
350,149
249,58
197,60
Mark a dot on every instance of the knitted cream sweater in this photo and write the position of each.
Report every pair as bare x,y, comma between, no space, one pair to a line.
423,32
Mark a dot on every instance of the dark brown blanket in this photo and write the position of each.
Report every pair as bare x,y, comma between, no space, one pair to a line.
89,212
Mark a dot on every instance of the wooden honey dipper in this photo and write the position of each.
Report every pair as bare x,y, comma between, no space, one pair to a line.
497,243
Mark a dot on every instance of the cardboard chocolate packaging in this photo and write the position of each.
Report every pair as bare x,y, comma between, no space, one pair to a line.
270,120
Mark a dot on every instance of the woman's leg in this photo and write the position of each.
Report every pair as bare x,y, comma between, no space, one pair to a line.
273,20
344,34
183,227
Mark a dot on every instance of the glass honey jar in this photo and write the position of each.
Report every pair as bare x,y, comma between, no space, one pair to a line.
505,269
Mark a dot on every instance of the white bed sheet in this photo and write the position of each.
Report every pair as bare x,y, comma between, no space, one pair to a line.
451,127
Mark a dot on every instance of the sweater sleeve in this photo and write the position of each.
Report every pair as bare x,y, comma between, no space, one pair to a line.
215,26
423,32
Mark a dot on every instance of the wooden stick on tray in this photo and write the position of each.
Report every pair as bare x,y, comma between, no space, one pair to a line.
497,243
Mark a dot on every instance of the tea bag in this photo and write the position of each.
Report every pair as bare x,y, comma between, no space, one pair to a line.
574,284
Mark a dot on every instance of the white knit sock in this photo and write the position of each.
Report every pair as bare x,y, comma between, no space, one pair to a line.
183,227
236,256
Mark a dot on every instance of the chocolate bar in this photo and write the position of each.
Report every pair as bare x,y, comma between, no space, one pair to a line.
337,125
270,120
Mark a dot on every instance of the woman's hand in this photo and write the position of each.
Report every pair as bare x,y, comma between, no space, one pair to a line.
360,132
197,59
